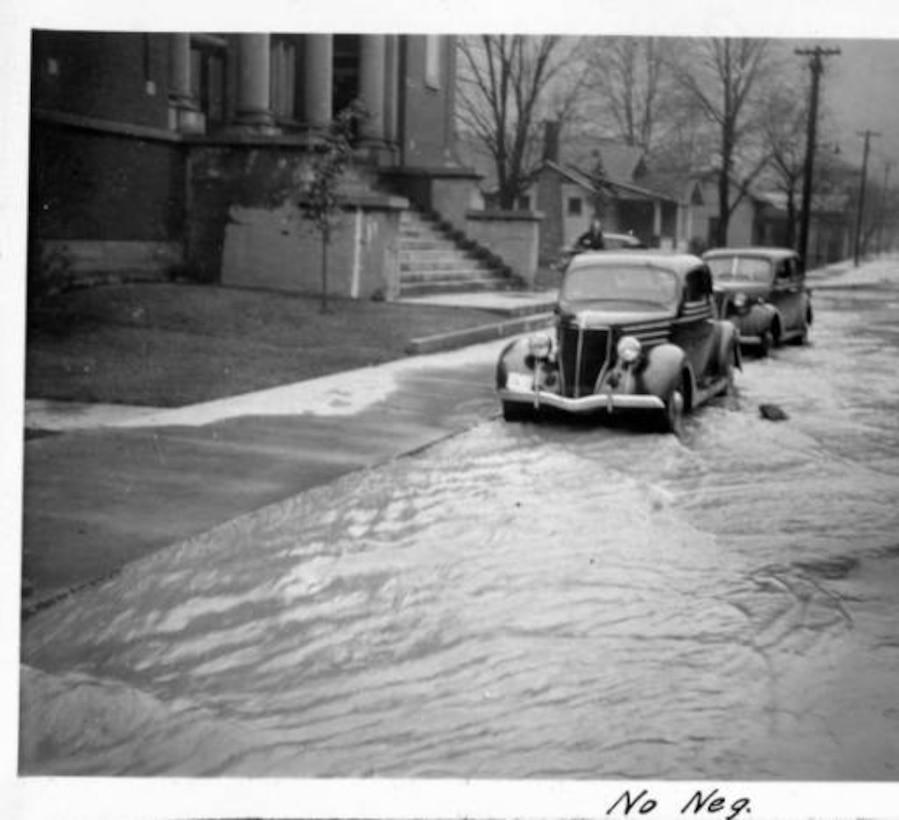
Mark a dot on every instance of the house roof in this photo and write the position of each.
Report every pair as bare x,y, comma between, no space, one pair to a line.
620,162
821,203
623,167
586,182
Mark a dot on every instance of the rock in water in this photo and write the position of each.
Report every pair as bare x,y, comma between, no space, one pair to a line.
773,412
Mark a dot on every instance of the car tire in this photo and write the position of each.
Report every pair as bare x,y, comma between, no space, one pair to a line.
673,414
514,411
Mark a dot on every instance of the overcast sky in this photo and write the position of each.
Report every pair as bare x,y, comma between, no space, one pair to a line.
861,89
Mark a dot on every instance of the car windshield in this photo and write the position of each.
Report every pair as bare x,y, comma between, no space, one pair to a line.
740,269
621,283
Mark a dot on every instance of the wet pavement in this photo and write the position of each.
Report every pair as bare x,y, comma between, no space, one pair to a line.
119,483
528,601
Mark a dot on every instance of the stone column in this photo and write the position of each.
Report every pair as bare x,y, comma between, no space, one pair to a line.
372,73
318,80
390,94
184,113
179,68
254,82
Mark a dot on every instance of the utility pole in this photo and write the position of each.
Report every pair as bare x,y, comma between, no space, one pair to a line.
817,67
861,193
883,206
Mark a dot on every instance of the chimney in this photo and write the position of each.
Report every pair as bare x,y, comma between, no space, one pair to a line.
551,129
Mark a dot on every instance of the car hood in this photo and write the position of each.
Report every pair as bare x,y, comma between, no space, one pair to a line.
603,316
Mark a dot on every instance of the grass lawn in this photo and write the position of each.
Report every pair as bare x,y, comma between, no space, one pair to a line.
167,345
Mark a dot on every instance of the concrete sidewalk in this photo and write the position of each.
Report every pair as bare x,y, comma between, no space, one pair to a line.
123,482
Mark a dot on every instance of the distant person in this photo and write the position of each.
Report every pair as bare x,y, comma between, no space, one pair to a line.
592,239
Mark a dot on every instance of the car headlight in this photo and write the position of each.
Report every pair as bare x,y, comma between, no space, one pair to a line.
629,349
540,346
741,300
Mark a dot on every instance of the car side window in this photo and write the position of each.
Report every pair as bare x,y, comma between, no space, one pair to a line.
783,270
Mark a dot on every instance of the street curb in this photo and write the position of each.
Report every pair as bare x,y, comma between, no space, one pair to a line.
474,335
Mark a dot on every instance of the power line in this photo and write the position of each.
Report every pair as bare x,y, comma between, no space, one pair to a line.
861,194
816,65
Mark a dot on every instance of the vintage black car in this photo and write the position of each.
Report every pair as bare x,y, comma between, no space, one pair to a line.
762,291
634,331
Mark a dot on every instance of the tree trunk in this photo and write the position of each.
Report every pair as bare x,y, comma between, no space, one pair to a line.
791,220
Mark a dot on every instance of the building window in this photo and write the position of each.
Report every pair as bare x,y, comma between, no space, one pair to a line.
283,83
347,66
575,206
207,77
432,60
524,203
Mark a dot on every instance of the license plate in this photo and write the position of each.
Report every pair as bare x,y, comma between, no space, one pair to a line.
520,381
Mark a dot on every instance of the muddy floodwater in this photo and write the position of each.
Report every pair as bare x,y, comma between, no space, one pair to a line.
527,601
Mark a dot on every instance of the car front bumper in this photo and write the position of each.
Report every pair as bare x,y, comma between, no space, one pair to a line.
585,404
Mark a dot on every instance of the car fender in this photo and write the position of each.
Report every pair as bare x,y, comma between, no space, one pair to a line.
664,365
512,360
777,316
808,314
766,313
728,346
757,320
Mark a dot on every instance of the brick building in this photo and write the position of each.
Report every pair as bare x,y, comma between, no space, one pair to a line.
160,152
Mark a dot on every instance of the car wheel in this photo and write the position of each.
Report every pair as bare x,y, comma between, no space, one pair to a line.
516,411
673,419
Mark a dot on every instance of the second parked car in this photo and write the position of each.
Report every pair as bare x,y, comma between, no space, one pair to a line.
762,291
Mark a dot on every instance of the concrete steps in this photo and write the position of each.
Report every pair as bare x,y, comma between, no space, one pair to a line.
434,259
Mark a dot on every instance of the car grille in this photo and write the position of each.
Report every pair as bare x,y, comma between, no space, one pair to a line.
583,354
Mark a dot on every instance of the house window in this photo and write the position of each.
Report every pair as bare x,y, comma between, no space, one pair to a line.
283,83
575,206
432,60
524,203
207,77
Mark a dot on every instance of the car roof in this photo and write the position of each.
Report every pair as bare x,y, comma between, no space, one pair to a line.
770,253
677,263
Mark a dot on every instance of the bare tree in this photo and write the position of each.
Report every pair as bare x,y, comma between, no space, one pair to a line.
725,76
784,123
320,197
627,78
507,86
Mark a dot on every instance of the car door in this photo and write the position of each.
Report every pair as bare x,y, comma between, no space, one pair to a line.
694,328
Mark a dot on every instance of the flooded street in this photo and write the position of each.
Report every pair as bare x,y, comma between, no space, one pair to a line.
527,601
